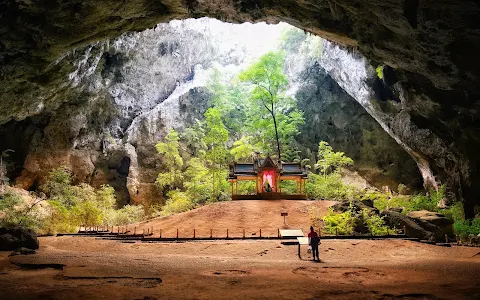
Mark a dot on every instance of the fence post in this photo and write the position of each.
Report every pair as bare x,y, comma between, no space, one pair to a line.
177,233
193,232
278,231
446,238
336,231
260,232
227,233
243,232
160,232
211,230
404,230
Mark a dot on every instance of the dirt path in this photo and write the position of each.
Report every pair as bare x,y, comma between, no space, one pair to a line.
251,215
86,268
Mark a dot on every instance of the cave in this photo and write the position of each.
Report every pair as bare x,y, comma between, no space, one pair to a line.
94,85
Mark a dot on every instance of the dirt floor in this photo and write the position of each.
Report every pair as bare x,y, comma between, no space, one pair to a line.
251,215
73,267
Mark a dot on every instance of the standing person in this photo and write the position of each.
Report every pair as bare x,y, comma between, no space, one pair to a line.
314,240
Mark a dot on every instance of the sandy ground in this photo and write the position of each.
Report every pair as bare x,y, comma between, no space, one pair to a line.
73,267
251,215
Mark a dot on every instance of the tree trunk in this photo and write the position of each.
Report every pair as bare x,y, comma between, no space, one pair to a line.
276,136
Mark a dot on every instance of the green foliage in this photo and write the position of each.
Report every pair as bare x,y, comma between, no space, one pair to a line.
242,149
58,187
198,183
329,160
271,115
71,206
127,215
454,212
216,136
339,223
58,219
105,197
230,99
428,201
465,228
246,187
381,201
296,41
402,189
177,202
87,213
292,38
379,71
289,187
375,223
14,211
329,187
194,137
346,222
172,160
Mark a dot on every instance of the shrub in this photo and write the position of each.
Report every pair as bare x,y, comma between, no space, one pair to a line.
87,213
289,187
246,187
177,202
427,202
465,228
375,223
128,214
339,223
454,212
58,219
329,187
384,202
105,197
15,211
58,187
402,189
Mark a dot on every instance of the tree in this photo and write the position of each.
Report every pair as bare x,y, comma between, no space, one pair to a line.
58,187
197,180
216,135
229,98
172,161
331,160
242,149
269,85
194,137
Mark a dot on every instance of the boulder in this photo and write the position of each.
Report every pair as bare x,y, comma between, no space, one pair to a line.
437,223
356,205
424,224
474,239
398,220
23,251
17,237
397,209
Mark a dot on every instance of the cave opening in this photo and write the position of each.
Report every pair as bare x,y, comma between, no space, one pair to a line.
163,110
